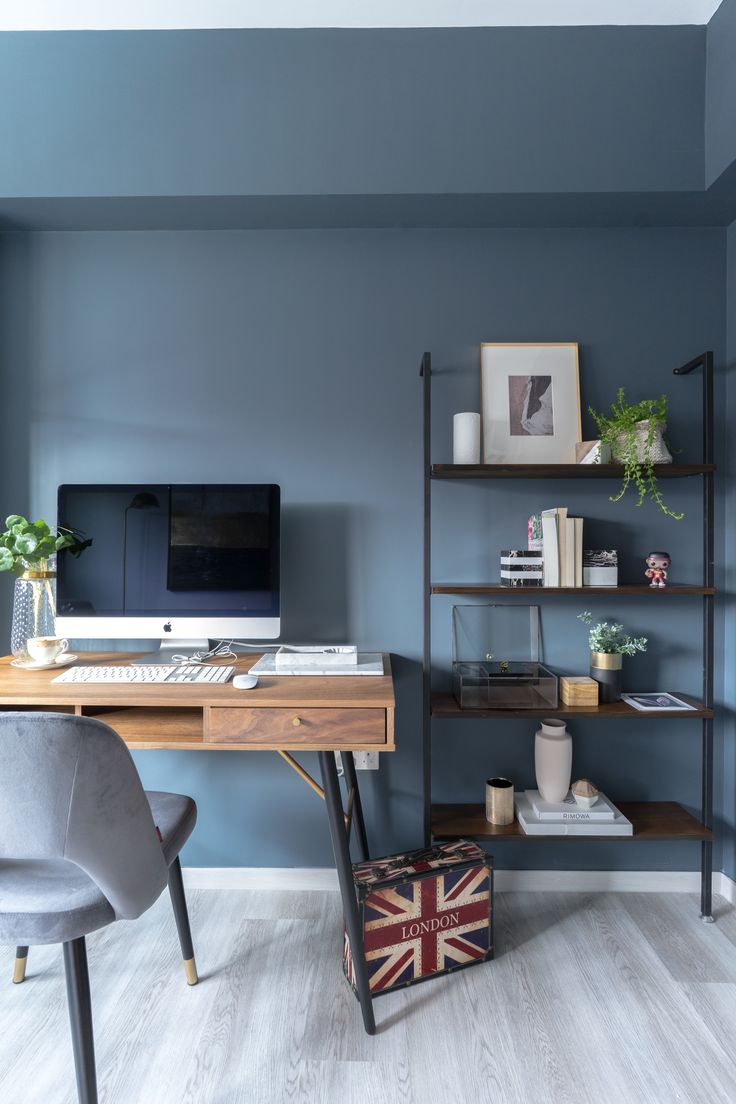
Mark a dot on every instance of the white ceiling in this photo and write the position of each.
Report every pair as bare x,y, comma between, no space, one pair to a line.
60,15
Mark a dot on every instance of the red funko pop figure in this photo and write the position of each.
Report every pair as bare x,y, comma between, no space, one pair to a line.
657,564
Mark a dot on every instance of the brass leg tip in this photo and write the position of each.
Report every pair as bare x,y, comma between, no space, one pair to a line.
190,969
19,970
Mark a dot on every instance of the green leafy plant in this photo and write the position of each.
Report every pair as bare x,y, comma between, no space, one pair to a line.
611,638
619,431
29,545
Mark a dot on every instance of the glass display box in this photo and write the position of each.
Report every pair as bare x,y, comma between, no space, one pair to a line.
495,659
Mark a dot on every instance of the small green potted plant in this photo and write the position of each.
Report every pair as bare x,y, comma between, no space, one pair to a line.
608,645
634,433
28,550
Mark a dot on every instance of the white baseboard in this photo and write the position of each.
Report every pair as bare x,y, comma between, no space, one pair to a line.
725,887
261,877
569,881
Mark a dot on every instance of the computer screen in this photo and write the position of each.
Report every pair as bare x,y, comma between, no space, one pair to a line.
177,559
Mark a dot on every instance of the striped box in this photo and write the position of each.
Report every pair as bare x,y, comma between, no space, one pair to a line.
522,568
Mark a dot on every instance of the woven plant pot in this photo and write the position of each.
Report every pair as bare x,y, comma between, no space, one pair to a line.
657,452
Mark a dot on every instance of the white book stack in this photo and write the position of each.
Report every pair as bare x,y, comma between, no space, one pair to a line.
542,818
562,547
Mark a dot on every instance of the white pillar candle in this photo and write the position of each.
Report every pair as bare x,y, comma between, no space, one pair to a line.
466,439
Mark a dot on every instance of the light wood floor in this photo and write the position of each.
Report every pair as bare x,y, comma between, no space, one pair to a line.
618,998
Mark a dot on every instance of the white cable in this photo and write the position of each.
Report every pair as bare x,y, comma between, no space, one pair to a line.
223,649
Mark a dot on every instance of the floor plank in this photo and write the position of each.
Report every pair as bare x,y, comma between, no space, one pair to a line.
625,997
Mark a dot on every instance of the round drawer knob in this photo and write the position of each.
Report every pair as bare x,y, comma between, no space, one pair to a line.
296,722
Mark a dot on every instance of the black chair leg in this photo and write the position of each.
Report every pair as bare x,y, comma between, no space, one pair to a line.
80,1018
179,901
19,970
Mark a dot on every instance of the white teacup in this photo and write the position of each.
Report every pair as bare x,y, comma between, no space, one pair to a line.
45,649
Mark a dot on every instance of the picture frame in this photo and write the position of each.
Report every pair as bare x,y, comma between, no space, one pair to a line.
530,402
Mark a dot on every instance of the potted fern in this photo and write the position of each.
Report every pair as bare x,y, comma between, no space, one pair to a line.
608,645
28,550
634,432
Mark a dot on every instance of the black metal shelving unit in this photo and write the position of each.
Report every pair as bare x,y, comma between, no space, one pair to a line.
651,820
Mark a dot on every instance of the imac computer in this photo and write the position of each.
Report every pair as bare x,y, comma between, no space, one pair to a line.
182,563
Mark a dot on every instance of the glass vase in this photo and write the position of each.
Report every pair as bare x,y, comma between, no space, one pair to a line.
34,610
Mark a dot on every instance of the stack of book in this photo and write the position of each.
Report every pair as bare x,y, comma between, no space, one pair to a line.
562,548
544,818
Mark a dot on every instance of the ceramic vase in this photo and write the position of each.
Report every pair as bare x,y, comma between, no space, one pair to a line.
553,760
605,668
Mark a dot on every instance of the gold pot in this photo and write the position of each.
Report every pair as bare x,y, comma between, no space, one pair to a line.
606,661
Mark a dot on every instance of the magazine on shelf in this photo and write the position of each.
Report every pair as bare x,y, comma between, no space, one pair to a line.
569,810
655,703
532,826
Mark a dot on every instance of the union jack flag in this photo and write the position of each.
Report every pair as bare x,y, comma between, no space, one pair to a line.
425,926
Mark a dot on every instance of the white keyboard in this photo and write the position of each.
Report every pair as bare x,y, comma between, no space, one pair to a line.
148,672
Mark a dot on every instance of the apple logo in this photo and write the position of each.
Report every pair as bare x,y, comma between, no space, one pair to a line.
167,627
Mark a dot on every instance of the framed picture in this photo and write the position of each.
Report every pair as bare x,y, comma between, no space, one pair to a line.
530,402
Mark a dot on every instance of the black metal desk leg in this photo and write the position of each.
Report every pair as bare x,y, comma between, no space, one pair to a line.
352,780
341,847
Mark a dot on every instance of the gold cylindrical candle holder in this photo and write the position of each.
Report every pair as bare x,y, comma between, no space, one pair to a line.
499,801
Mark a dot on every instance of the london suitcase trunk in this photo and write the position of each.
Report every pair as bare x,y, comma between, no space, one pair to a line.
423,913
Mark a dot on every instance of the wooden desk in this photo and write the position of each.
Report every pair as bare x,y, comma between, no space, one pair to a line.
282,714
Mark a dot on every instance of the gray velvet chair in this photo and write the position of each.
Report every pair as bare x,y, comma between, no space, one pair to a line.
82,845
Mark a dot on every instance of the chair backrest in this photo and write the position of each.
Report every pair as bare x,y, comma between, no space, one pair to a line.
69,789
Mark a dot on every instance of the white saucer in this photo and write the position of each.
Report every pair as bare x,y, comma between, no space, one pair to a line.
61,661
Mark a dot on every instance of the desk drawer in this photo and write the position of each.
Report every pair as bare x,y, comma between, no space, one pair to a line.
330,728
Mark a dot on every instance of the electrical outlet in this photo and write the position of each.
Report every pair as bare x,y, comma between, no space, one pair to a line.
365,760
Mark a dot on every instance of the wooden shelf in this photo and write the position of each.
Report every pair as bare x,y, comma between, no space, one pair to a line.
560,471
652,820
633,589
444,705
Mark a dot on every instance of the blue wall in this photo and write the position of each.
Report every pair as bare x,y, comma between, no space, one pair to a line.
293,357
327,112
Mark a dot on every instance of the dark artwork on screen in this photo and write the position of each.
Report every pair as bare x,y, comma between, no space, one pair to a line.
213,548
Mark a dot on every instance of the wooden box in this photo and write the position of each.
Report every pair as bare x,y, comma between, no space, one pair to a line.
578,690
423,913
